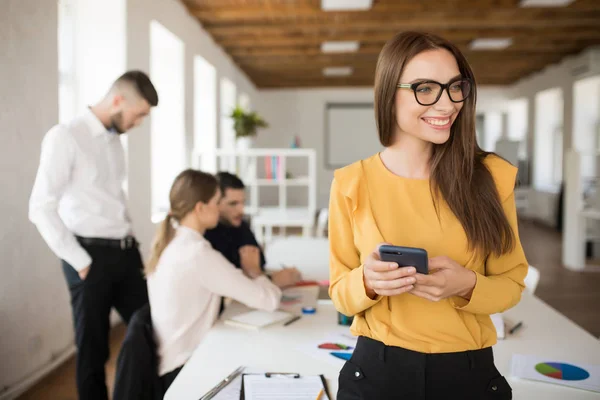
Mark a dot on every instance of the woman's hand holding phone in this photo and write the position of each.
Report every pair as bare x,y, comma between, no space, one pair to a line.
446,279
386,278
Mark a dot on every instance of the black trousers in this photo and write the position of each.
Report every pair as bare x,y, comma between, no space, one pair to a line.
380,372
115,279
168,378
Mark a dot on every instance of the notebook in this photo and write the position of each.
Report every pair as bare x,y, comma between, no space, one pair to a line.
261,387
258,319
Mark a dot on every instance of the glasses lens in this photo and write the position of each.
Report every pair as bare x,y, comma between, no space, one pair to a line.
460,90
427,92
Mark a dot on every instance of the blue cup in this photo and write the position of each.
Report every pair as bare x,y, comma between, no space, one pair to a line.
344,320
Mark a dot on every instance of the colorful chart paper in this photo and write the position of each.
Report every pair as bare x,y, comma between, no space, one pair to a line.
558,372
562,371
335,346
342,356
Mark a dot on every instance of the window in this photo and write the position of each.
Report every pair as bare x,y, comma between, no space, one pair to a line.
205,111
492,130
227,137
244,101
167,58
90,57
228,103
557,155
66,61
586,116
547,158
517,124
479,128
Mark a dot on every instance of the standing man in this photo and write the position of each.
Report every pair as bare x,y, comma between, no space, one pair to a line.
79,207
233,237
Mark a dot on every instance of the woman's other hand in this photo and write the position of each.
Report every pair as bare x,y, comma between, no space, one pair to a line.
446,278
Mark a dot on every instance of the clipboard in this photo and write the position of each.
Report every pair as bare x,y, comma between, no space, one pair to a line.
289,375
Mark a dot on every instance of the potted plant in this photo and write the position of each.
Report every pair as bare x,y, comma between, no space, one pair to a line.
245,125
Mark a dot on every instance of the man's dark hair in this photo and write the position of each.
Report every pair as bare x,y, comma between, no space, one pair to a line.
229,181
141,83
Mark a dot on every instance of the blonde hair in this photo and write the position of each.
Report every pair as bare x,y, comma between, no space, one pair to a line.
189,188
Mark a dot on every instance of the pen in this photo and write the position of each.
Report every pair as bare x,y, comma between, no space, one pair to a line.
515,328
319,395
212,392
296,318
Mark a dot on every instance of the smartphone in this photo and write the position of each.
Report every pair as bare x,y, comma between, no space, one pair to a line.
406,256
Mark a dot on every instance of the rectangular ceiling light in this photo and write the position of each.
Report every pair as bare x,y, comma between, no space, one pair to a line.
339,47
337,71
545,3
491,43
346,5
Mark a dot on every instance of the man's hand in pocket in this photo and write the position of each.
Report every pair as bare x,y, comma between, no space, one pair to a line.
83,273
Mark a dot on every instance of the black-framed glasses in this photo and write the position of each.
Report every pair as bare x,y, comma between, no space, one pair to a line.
428,93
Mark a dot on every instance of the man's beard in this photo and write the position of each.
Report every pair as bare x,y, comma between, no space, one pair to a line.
226,222
116,123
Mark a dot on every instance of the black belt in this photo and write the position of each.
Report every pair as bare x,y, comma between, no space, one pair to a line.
127,242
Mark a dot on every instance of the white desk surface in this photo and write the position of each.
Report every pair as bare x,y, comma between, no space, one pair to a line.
545,332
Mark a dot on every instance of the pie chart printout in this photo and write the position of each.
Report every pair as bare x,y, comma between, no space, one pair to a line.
562,371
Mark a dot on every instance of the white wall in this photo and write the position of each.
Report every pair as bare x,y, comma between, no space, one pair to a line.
35,317
302,113
492,99
35,314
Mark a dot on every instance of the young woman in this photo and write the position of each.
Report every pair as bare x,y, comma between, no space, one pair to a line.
187,277
425,336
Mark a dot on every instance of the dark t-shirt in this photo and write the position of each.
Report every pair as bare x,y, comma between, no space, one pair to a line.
228,239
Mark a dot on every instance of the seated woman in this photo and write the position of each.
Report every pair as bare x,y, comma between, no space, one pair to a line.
187,277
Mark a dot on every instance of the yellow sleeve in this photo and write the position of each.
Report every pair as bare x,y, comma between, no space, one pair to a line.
346,289
501,286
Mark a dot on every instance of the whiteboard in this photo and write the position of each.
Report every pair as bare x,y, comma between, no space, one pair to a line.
350,133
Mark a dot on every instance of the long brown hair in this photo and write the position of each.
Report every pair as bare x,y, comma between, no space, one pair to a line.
189,188
458,173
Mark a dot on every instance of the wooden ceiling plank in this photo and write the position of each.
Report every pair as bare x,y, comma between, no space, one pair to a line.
380,37
417,23
367,59
516,49
290,11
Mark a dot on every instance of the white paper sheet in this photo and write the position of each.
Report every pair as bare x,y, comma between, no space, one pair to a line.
312,347
259,387
499,325
556,371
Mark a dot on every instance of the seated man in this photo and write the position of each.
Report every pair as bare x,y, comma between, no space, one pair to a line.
233,236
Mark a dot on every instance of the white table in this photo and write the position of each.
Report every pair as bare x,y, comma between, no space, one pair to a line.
545,333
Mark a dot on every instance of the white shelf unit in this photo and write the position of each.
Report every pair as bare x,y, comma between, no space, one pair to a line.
244,163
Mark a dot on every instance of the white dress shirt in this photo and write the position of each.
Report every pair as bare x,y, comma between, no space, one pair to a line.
185,294
78,189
